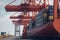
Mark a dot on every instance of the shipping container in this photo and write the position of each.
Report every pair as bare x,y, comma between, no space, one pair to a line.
31,25
40,20
50,7
50,10
50,13
3,33
39,17
40,13
39,24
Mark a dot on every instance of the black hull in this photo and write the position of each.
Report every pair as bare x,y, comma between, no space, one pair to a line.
45,31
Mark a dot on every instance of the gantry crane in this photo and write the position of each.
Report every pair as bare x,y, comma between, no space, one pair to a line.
25,8
23,20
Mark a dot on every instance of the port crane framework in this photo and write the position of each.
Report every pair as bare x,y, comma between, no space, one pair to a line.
31,6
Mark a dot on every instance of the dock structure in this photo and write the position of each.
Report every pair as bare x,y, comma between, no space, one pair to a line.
44,23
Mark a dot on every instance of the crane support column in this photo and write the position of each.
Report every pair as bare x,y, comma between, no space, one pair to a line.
17,30
56,22
55,8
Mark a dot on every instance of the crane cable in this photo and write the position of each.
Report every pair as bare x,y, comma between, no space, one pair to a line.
11,2
14,13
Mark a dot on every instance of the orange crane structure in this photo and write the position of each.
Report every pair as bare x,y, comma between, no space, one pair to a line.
25,8
49,29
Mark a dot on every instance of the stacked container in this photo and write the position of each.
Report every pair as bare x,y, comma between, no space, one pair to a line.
31,25
41,18
50,13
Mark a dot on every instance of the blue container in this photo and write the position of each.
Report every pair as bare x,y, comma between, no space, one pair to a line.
40,19
50,14
51,7
39,24
50,11
3,33
45,20
37,19
40,13
31,25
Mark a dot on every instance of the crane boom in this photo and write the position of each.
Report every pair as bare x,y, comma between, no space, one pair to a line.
23,7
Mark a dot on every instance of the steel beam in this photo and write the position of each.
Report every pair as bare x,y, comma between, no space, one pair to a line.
20,21
20,17
21,8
